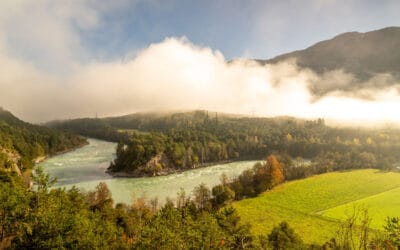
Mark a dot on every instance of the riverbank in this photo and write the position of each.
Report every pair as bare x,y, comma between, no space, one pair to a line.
42,158
138,173
85,168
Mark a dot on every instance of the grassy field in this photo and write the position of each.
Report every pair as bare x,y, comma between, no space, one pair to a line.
379,207
314,206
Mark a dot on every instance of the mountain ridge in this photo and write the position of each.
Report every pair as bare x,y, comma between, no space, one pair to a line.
363,55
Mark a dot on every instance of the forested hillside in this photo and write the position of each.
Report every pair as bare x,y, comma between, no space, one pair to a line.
156,144
21,143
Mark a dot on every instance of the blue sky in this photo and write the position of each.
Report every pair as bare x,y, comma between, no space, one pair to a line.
54,34
64,59
261,29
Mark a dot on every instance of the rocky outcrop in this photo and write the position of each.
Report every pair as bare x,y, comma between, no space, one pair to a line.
10,160
159,165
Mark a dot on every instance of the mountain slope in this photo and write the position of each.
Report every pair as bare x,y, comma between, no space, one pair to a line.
21,143
364,55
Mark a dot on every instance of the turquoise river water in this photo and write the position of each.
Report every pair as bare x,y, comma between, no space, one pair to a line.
85,168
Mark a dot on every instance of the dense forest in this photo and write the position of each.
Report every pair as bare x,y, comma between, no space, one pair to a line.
21,143
55,218
157,144
45,217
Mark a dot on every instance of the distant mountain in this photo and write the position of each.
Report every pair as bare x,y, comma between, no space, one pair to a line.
9,118
362,54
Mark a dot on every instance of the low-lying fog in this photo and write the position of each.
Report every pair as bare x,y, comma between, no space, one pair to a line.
172,74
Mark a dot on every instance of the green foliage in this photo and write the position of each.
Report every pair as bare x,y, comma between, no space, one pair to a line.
239,237
222,195
31,141
41,180
69,219
50,218
392,227
95,128
57,218
5,161
100,199
202,197
14,209
194,139
185,228
284,237
261,177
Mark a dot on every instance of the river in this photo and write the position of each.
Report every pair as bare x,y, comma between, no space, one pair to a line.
85,168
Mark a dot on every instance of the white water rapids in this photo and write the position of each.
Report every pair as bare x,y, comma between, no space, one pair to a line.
85,168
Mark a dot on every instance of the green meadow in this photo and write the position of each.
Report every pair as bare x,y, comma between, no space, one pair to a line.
379,206
315,206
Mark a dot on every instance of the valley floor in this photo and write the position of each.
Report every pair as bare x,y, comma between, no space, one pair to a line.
314,206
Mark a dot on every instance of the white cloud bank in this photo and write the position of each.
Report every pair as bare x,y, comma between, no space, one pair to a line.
171,75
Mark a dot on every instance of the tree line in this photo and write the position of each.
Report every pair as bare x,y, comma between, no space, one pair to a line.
199,138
